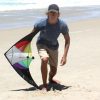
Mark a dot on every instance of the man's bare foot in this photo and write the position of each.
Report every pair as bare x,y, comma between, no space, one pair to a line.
54,81
43,87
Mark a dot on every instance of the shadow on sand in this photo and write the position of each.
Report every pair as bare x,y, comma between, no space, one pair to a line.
52,87
59,87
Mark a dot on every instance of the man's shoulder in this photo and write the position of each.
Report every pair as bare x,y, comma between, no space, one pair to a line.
40,24
63,26
62,22
41,21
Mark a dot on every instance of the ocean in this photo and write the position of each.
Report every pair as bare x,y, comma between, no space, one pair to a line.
6,5
24,13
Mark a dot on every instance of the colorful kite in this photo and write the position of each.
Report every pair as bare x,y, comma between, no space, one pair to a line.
20,57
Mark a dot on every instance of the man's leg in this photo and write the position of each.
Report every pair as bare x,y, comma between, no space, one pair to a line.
52,73
44,61
44,70
53,61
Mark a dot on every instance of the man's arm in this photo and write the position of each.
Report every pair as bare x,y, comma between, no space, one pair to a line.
34,32
66,48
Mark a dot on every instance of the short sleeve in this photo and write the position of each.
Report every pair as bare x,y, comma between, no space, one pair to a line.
64,29
40,24
36,26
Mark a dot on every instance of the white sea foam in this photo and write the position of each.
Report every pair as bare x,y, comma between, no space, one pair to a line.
6,5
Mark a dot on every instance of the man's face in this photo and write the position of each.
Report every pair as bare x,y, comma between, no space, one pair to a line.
53,17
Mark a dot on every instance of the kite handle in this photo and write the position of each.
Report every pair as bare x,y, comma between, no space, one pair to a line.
29,57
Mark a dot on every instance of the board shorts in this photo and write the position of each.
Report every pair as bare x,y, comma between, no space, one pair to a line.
44,51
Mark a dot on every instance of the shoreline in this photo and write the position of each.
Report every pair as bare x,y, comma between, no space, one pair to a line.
84,6
27,18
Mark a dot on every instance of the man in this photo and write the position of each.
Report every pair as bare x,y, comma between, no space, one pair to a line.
47,44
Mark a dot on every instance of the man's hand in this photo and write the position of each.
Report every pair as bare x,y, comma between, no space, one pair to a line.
67,43
63,61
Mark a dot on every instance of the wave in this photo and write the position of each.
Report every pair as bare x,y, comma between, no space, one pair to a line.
6,5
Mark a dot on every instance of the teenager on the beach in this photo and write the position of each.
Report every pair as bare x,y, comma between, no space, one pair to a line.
47,43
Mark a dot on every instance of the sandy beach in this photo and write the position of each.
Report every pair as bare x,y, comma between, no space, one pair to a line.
80,77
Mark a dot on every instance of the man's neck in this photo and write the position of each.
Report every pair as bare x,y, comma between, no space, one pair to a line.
50,22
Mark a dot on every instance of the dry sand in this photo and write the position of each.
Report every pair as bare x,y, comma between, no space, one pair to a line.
80,77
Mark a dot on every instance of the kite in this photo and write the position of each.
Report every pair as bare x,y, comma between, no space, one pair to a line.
20,57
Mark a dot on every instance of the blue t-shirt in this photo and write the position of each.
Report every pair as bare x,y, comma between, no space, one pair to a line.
49,33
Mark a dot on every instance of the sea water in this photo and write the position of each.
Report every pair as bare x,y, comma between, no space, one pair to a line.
24,13
6,5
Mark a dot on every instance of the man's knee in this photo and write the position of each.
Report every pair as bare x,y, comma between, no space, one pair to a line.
45,60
